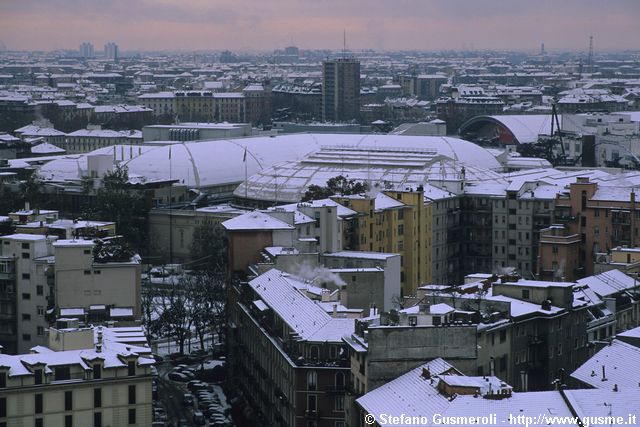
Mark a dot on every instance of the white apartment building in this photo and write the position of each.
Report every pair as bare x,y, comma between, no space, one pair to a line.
81,281
24,287
40,274
80,380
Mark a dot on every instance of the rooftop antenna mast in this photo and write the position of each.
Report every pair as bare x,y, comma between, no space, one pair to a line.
590,57
344,44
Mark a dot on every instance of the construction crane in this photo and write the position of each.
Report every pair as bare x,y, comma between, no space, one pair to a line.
548,143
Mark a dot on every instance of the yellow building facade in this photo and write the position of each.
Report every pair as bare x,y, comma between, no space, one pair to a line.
393,222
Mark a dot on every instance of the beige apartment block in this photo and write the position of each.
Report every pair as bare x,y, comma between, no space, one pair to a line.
102,384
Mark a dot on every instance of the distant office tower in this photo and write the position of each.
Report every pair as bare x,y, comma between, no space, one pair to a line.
340,90
86,50
111,51
228,57
291,50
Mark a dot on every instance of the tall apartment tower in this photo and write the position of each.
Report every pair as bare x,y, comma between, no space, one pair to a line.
86,50
340,90
111,51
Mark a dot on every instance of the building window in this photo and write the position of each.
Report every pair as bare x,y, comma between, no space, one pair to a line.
131,369
37,376
97,398
68,400
132,416
68,421
87,272
3,407
62,373
24,246
40,330
312,379
26,276
339,380
339,403
38,403
97,419
26,255
26,337
97,371
132,395
314,352
525,294
39,290
400,229
3,379
26,296
39,422
312,403
26,316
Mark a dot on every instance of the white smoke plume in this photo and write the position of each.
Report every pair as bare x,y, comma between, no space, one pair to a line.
318,274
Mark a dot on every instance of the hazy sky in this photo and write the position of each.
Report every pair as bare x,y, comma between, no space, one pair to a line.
269,24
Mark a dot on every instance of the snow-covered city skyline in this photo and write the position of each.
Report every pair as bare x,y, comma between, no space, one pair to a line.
381,25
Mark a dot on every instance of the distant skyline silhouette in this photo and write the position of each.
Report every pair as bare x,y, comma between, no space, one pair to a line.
318,24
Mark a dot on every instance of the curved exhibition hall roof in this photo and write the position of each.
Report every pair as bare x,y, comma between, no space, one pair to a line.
510,129
390,168
222,162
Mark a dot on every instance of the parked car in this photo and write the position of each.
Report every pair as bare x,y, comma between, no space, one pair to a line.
199,419
177,376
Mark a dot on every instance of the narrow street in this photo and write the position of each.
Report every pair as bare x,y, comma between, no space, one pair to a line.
170,395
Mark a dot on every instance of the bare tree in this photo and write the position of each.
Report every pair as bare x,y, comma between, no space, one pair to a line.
206,291
176,318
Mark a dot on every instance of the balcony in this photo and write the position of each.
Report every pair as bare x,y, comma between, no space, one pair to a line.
336,389
7,275
535,340
311,413
8,316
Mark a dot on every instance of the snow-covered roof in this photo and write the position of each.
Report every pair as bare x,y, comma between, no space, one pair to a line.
35,130
381,168
284,294
441,308
531,405
609,282
342,211
255,220
121,312
621,362
105,133
485,384
525,128
19,237
603,404
361,255
71,312
46,148
19,364
222,162
631,333
410,394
